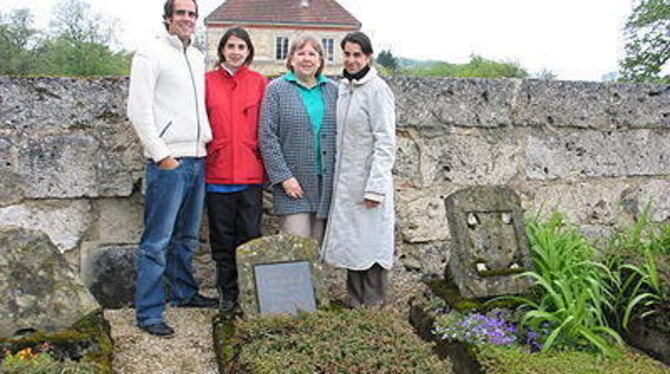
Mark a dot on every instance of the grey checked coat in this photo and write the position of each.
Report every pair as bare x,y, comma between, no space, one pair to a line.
286,142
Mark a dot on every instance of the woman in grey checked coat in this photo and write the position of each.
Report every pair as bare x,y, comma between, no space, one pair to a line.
297,140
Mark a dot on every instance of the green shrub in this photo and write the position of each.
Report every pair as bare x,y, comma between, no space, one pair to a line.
28,362
570,292
358,341
516,360
638,259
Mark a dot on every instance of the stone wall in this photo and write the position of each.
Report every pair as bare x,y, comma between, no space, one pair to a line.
71,166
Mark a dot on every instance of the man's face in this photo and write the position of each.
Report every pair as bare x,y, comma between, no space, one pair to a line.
182,21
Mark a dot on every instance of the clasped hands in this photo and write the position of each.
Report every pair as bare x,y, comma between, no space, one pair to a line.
293,190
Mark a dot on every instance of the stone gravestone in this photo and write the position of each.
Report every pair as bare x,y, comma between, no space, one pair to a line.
489,244
280,274
40,292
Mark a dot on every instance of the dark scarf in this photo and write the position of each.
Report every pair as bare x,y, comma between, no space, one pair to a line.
357,76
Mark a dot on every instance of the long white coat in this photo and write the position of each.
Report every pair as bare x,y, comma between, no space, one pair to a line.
357,237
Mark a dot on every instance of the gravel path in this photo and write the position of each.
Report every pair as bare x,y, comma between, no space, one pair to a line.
188,351
191,349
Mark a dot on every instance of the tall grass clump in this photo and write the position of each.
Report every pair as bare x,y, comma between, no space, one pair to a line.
571,291
639,261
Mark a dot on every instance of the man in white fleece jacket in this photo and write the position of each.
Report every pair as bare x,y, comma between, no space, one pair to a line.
166,108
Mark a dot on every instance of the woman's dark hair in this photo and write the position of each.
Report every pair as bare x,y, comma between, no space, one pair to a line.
168,9
359,38
240,33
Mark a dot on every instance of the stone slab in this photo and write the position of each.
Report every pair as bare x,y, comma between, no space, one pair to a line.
40,291
493,157
433,104
582,202
271,250
58,103
590,153
489,244
64,221
421,215
639,105
655,193
562,104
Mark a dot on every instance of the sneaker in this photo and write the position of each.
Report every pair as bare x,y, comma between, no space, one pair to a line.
159,329
200,301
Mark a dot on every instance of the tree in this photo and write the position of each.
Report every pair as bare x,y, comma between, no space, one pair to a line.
477,67
16,38
545,74
387,60
81,45
647,46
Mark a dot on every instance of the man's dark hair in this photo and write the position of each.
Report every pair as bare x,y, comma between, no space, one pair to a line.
168,9
240,33
359,38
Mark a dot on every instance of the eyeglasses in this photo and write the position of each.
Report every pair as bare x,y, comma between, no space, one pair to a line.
183,12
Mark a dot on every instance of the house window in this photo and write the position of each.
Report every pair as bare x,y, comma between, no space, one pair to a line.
281,48
328,48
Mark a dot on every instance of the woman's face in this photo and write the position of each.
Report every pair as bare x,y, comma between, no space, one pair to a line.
235,52
354,58
306,61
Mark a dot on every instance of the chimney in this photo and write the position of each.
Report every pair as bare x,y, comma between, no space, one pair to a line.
304,3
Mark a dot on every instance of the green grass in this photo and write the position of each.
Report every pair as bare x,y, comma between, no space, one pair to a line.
359,341
514,360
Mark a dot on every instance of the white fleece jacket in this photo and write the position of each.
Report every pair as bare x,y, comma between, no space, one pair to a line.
166,102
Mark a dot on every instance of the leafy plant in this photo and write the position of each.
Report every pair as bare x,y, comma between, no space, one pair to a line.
570,292
634,256
28,361
497,327
359,341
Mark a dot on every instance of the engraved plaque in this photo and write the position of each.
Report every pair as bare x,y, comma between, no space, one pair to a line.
284,288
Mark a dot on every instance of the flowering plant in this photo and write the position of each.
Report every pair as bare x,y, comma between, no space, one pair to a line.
495,328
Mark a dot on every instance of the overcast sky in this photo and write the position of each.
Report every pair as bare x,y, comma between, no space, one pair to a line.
576,39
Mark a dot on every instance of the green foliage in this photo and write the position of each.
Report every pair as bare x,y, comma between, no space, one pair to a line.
386,59
570,291
28,362
359,341
635,254
16,35
78,44
477,67
514,359
647,42
545,74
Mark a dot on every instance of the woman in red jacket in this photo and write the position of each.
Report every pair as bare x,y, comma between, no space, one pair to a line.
234,173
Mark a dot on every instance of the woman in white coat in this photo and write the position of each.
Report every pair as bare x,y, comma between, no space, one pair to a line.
359,235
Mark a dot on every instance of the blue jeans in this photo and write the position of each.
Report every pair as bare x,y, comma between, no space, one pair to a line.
172,212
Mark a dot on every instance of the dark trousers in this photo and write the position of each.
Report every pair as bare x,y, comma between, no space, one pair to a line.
234,219
367,287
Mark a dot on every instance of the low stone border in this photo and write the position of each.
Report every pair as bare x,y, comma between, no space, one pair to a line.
653,342
226,348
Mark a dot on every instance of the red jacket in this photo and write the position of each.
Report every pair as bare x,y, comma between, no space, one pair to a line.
233,106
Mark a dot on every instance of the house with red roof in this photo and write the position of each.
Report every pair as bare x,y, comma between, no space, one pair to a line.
273,24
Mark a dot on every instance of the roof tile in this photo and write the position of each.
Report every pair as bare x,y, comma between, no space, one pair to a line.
282,11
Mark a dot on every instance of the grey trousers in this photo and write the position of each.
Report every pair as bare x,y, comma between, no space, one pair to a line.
303,224
367,287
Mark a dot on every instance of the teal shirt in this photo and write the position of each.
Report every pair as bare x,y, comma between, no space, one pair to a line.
312,98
